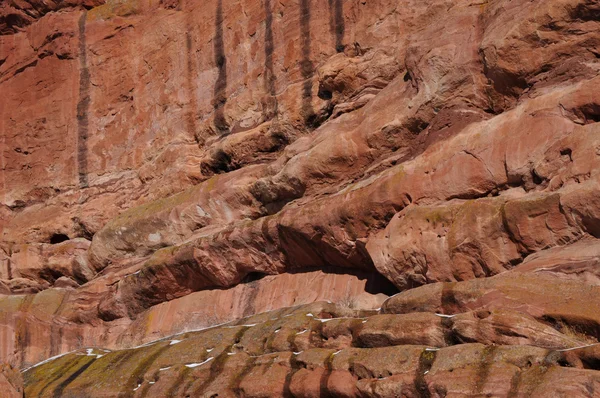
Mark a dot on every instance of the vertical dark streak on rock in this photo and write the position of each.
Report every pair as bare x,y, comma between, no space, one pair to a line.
192,112
483,372
175,387
57,375
219,93
425,363
336,23
143,364
514,385
22,336
83,106
449,303
218,364
239,378
306,66
250,297
61,387
270,105
9,268
324,381
56,330
193,106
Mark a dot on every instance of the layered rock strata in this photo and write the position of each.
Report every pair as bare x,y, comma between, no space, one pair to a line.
168,165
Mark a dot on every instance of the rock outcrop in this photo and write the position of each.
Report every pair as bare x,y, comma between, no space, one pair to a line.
330,350
11,382
430,167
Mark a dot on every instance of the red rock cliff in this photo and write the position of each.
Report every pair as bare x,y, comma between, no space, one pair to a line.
169,165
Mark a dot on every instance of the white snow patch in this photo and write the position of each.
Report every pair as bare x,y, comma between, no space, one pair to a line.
432,349
151,382
146,344
161,369
304,331
47,360
309,314
445,316
299,352
337,352
209,349
99,356
250,325
365,321
426,372
231,353
173,342
577,348
135,389
193,365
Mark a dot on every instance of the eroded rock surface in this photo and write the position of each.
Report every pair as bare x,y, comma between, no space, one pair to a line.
332,350
168,165
11,382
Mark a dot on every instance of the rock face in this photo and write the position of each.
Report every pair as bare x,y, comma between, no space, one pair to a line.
168,165
11,382
330,350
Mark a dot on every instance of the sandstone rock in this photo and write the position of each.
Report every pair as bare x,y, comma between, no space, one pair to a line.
48,262
389,330
11,382
227,360
226,158
58,320
569,308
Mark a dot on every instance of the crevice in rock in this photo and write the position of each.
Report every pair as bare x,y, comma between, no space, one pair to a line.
221,162
585,330
592,363
586,11
58,238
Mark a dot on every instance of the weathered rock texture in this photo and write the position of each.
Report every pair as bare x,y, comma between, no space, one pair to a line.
167,165
11,382
327,350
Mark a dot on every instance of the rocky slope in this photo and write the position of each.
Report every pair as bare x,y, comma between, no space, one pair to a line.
169,165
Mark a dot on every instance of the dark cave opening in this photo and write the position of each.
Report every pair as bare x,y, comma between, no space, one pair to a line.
58,238
253,276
